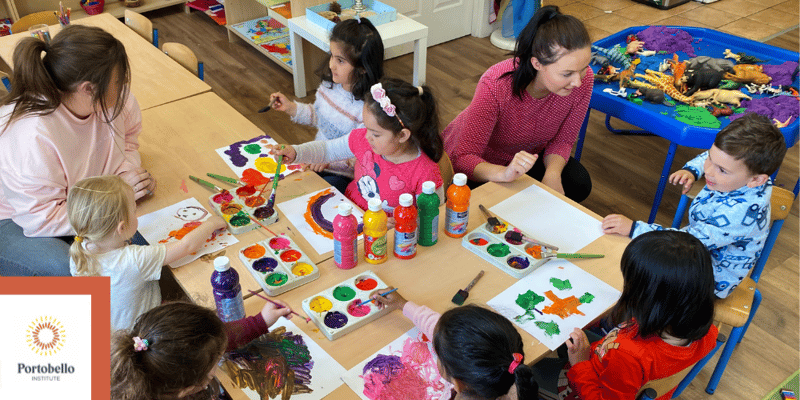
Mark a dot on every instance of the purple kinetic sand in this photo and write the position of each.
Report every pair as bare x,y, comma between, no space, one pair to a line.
782,74
671,40
779,108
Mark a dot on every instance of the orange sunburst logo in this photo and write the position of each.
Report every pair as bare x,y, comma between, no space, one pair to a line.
45,336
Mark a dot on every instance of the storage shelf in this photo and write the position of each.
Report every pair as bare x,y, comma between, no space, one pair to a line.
240,30
117,8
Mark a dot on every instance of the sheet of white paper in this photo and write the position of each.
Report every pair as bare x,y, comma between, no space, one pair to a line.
415,356
171,223
556,306
300,209
549,219
316,373
253,155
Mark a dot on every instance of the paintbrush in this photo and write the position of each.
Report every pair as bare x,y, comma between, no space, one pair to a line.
252,218
521,237
208,184
382,295
271,201
537,253
462,295
226,179
279,305
269,106
493,221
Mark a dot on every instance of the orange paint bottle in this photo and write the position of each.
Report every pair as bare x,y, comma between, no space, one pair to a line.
457,212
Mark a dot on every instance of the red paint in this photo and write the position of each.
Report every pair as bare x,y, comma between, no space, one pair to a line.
366,284
479,242
254,201
245,191
252,177
291,255
223,198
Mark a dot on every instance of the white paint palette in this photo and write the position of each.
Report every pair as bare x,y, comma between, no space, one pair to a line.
336,311
494,246
278,264
236,206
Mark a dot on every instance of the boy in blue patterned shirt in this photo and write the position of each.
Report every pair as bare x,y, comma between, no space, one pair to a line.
731,214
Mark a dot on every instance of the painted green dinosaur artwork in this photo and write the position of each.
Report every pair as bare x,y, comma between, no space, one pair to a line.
528,301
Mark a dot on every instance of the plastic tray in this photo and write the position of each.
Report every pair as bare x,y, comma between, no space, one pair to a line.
235,212
384,12
278,264
510,257
340,301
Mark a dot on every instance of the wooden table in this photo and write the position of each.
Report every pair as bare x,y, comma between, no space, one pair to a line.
155,78
179,139
431,279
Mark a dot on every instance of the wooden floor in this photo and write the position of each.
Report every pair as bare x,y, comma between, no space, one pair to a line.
624,172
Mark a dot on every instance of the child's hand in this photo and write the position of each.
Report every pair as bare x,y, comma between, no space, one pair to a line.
578,348
288,152
317,167
271,312
282,103
616,223
392,300
520,165
634,46
682,177
216,222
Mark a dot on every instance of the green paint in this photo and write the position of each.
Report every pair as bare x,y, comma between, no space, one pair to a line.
240,219
561,285
586,298
696,116
550,328
344,293
498,249
276,279
528,302
253,148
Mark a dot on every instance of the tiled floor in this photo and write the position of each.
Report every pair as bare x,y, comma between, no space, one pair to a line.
752,19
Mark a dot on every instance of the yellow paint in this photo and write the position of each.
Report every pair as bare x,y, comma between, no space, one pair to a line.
302,269
267,165
320,304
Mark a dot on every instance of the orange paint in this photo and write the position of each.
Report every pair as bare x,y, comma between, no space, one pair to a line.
254,251
535,252
180,233
562,307
254,201
230,209
290,255
310,220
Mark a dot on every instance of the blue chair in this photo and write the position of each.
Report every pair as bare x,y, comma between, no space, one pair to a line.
738,309
141,25
185,57
6,81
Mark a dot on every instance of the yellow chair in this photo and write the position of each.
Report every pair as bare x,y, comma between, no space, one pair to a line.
141,25
184,56
41,17
446,170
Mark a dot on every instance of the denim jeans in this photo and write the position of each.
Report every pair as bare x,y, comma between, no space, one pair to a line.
39,256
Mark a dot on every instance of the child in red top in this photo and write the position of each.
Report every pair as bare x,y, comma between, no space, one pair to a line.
396,152
664,320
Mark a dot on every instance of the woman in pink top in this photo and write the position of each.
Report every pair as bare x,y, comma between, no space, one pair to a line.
528,110
69,116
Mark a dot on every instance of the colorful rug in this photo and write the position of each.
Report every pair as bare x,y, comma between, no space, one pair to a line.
790,383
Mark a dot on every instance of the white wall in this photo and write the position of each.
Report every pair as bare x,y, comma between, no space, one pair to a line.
480,20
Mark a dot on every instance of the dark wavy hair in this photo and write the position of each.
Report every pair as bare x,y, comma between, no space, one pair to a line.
754,140
363,48
476,346
547,32
668,286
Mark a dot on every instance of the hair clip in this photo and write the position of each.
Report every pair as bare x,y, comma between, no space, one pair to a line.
379,95
78,239
140,344
515,363
420,90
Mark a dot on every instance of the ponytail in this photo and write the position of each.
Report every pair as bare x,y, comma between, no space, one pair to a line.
416,110
85,264
527,387
545,37
128,380
32,88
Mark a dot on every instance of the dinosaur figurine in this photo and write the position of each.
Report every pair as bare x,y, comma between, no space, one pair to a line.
718,96
746,73
614,55
666,83
742,58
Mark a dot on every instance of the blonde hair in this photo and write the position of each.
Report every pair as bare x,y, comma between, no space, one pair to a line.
95,207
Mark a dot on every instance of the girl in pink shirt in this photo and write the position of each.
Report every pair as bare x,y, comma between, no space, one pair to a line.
527,111
68,116
396,152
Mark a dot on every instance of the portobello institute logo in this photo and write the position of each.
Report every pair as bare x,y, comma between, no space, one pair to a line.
45,336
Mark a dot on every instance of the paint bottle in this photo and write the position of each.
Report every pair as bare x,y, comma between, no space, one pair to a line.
375,233
457,211
428,204
227,291
345,237
405,229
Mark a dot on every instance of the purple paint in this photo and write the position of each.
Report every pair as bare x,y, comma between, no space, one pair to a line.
263,212
671,40
265,264
779,107
386,366
782,74
234,152
335,320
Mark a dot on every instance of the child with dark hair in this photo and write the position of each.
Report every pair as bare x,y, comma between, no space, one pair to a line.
355,64
663,321
396,152
527,111
731,213
478,350
174,349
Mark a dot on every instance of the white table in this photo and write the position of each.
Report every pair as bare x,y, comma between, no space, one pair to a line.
395,33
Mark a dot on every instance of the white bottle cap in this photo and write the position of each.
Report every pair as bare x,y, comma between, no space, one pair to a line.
428,187
459,179
374,205
406,199
222,263
345,209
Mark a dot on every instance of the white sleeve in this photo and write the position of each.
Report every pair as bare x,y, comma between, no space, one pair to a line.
323,151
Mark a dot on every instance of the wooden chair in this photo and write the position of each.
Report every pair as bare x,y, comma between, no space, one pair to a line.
738,309
446,170
184,56
41,17
141,25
